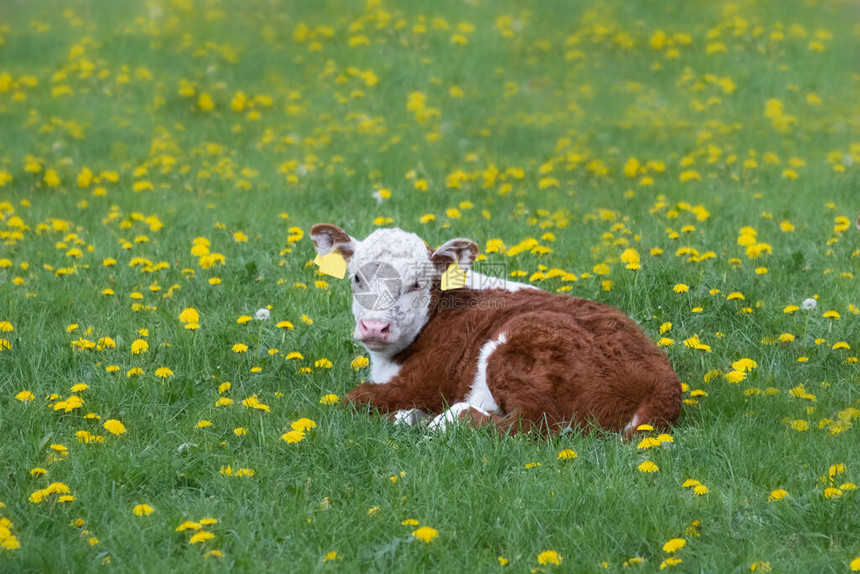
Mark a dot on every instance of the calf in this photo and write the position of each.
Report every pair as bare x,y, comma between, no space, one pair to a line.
517,357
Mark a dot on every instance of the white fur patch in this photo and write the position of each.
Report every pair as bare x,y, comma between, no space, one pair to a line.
404,262
631,425
480,396
452,415
409,417
382,368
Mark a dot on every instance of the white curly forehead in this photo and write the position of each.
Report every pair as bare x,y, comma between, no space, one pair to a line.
390,245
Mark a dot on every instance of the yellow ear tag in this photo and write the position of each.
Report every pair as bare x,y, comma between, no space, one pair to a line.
331,264
453,278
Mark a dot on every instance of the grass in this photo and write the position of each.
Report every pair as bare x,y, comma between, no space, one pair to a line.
582,127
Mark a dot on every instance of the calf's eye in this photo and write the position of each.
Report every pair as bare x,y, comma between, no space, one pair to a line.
415,287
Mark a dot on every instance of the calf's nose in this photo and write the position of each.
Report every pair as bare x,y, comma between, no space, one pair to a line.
369,329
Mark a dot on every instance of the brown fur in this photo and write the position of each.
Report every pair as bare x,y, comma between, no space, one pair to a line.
566,361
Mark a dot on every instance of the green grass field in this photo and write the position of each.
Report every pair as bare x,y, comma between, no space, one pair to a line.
694,164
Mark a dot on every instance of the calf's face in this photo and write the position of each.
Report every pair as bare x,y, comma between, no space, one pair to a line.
394,274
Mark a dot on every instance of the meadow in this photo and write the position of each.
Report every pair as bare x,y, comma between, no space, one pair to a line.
172,364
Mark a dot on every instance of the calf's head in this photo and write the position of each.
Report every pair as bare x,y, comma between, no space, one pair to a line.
394,275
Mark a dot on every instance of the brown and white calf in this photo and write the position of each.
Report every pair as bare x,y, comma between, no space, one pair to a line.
517,356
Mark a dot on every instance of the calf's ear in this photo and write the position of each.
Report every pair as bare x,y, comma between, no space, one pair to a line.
328,238
460,251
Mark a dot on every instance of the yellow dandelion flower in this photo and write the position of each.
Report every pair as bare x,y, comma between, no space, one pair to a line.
744,365
303,424
647,443
201,536
329,399
105,343
694,343
163,372
190,315
293,436
425,534
253,402
38,496
800,392
143,510
567,454
240,348
548,557
139,346
674,545
359,362
647,467
114,426
777,494
799,425
205,102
